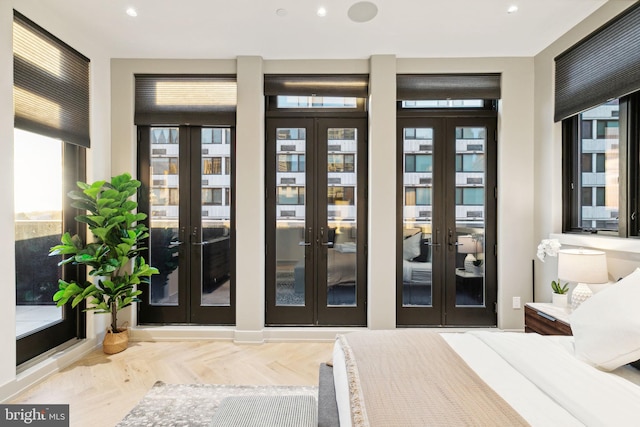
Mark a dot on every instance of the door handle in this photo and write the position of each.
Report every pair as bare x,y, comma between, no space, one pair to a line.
452,244
436,238
305,243
322,242
175,244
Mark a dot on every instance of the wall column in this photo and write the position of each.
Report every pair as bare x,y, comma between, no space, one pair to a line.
249,200
382,194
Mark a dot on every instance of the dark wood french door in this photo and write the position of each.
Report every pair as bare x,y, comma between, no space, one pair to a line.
316,221
446,273
186,193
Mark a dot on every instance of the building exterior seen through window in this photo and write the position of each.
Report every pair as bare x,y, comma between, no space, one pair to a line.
38,227
599,167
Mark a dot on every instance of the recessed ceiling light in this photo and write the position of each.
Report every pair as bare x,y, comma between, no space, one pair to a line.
322,11
281,12
132,12
512,9
363,11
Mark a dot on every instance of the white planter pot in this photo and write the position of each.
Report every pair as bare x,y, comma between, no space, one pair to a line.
559,300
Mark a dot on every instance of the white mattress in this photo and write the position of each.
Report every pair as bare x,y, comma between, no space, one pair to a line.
533,373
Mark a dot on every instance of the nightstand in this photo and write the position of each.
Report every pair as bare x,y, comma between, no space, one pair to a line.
546,319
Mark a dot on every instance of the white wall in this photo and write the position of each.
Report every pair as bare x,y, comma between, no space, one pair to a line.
623,255
515,174
98,165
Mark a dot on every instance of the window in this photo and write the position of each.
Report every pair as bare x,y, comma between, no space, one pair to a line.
212,197
164,166
291,163
291,195
444,103
470,163
212,166
599,106
51,133
292,134
340,162
596,204
418,163
213,136
341,134
418,133
417,196
316,102
470,196
340,196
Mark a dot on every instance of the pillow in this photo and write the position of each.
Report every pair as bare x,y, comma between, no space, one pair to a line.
411,247
606,327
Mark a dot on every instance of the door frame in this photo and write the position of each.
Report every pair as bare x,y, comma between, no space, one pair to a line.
188,310
443,312
315,313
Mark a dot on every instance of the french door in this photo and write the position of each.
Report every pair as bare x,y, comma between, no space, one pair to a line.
446,273
186,192
316,221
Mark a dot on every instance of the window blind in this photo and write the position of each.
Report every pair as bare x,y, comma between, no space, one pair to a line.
351,85
185,99
50,84
603,66
411,87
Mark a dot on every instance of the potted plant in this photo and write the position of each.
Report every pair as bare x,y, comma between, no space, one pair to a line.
112,258
559,296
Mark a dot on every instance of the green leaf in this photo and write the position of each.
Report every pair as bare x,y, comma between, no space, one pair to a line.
85,206
129,205
93,220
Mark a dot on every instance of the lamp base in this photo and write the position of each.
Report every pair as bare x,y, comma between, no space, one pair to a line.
580,294
468,263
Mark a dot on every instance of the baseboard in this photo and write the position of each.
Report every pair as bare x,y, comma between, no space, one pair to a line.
44,369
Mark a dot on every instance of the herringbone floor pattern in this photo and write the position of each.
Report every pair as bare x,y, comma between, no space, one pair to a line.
102,389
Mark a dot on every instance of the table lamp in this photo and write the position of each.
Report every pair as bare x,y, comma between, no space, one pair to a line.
470,246
583,266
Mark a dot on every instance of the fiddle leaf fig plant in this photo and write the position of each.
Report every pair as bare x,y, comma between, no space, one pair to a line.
113,257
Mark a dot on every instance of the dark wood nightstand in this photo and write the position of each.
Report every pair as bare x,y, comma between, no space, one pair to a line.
546,319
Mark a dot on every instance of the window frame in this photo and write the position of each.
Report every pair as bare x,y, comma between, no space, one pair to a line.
629,168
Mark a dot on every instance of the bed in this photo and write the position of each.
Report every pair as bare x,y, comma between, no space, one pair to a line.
417,377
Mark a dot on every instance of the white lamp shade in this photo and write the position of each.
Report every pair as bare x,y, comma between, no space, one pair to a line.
582,266
468,245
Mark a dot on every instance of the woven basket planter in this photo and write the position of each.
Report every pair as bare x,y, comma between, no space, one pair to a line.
115,342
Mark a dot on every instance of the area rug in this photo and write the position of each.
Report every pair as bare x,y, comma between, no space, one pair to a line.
193,405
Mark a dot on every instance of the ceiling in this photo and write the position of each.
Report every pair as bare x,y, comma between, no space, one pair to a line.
405,28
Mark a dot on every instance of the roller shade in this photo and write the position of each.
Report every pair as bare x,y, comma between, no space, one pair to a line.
185,99
352,85
411,87
50,84
603,66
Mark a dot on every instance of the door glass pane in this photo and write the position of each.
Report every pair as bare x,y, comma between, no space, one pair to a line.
340,234
292,235
470,214
417,215
216,217
599,153
164,238
38,226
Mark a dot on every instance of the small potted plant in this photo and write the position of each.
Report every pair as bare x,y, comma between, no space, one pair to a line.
559,296
112,258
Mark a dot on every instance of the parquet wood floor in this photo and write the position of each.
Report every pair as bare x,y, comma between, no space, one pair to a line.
102,389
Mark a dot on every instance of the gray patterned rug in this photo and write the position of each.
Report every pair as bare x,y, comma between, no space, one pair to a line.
193,405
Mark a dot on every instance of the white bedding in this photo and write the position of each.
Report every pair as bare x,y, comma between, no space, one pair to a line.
538,376
419,272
